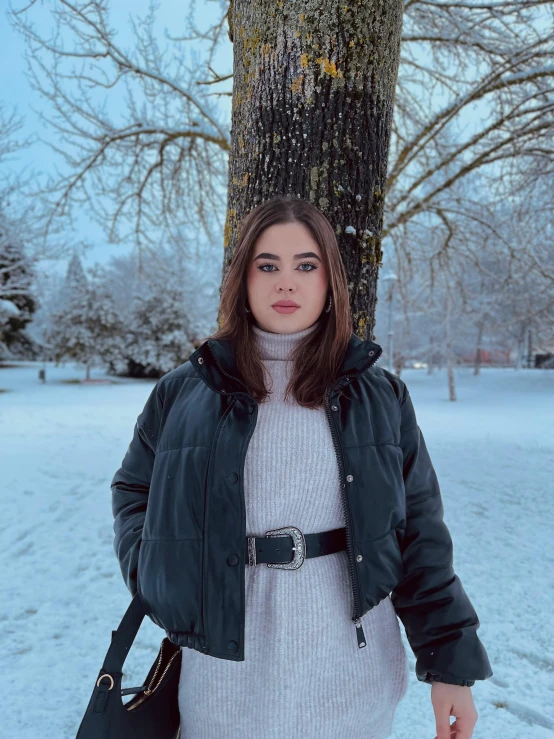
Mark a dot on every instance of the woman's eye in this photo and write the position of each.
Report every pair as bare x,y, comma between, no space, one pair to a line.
302,264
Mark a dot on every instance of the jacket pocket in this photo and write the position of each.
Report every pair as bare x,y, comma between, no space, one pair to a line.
169,579
381,567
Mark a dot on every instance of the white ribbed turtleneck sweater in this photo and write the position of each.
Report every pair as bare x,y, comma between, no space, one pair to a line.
303,672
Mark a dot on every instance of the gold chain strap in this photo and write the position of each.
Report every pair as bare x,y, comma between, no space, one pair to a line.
149,690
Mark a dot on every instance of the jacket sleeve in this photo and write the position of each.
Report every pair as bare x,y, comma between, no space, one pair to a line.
130,487
440,621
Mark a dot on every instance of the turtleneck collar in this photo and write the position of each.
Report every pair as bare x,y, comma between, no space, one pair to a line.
279,346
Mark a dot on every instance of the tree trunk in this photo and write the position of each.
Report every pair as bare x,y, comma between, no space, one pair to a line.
313,97
431,354
480,330
449,354
399,362
520,345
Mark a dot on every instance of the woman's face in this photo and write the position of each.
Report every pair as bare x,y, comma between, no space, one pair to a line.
286,264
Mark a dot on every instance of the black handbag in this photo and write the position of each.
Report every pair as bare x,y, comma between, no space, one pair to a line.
154,711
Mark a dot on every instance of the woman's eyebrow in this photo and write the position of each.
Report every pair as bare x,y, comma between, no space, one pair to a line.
304,255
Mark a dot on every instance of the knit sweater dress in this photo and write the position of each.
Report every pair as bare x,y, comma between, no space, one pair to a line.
303,672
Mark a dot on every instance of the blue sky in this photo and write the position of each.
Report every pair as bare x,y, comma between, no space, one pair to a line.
16,91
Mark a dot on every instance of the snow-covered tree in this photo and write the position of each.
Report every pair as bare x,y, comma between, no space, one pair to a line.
8,311
105,325
478,280
16,278
158,337
69,335
48,286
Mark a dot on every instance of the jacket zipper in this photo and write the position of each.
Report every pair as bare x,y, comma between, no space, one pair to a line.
226,373
356,618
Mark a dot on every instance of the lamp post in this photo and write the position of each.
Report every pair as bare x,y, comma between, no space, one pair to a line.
390,279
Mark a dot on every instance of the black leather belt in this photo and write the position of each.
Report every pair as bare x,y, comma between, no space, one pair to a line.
287,548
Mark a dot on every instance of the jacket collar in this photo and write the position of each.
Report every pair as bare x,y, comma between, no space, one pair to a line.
215,360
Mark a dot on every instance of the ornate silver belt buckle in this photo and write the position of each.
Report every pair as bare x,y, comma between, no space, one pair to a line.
299,547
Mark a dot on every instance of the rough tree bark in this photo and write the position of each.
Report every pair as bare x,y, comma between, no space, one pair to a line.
313,96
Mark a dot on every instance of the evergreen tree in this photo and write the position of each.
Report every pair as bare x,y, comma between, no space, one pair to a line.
69,335
158,338
106,327
16,278
48,287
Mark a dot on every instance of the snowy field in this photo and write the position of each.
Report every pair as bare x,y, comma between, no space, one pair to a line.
61,590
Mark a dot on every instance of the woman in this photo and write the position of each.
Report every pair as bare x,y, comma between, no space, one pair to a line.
282,420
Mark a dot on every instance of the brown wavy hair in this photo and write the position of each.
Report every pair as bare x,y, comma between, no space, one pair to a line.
318,357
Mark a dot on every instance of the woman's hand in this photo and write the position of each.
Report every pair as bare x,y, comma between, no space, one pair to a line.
453,700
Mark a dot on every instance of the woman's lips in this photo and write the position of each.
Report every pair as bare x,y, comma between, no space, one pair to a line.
285,308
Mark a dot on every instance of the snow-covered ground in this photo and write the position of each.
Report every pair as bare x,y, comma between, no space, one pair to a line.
61,590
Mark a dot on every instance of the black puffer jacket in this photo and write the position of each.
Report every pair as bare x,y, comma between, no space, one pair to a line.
179,511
